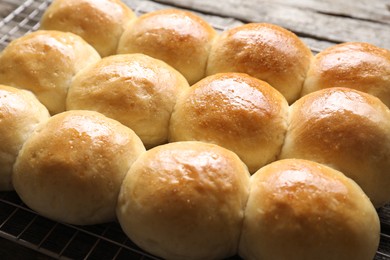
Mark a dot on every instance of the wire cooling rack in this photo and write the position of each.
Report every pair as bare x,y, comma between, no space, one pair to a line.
20,224
23,226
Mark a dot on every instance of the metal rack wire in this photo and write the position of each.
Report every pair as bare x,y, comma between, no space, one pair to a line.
23,19
20,224
62,241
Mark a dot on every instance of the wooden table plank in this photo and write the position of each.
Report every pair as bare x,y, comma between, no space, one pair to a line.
307,22
375,11
219,22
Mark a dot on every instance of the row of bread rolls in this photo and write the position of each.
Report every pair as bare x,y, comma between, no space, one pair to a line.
345,129
179,38
65,72
190,45
188,199
191,200
187,42
237,111
194,200
253,128
177,198
184,200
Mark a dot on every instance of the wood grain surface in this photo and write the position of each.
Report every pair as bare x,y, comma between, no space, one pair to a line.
321,23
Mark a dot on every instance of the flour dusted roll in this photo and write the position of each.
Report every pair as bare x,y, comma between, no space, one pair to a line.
45,62
265,51
20,113
348,130
135,89
180,38
99,22
185,200
356,65
236,111
71,168
299,209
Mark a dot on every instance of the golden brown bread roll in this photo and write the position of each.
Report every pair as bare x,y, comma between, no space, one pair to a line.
135,89
71,168
265,51
236,111
299,209
356,65
20,113
185,200
45,62
348,130
99,22
180,38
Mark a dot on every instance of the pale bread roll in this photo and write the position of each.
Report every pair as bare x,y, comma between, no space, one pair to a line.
71,168
135,89
357,65
20,113
348,130
264,51
45,62
180,38
185,200
236,111
300,209
99,22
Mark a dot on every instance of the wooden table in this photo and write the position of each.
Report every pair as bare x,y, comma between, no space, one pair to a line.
319,23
